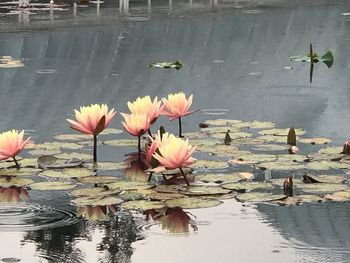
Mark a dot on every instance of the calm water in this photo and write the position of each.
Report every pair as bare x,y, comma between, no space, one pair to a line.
236,58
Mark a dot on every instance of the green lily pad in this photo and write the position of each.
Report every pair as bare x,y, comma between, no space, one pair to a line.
254,158
270,147
340,196
97,179
292,158
326,156
255,125
281,132
109,131
223,150
155,196
299,199
96,201
40,152
210,164
55,185
129,185
315,140
107,166
272,139
247,186
74,155
169,188
143,205
280,182
192,202
331,179
222,122
194,135
233,135
321,188
326,165
29,162
48,161
331,150
218,130
218,178
19,172
204,190
93,192
259,197
280,166
14,181
67,173
131,196
73,137
121,142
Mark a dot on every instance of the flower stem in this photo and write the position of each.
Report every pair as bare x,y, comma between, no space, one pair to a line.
17,164
180,128
185,176
95,148
149,132
139,147
150,177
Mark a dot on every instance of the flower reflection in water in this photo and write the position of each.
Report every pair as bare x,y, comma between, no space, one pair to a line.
136,168
97,213
13,194
174,220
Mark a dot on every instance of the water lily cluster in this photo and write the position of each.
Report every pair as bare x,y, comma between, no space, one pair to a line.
164,151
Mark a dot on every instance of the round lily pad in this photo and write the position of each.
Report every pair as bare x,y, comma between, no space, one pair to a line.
40,152
67,173
155,196
292,158
233,135
132,195
280,166
96,201
222,150
14,181
270,147
121,142
218,178
247,186
259,197
299,199
74,155
25,171
331,179
204,190
222,122
73,137
48,161
210,164
143,205
326,165
169,188
281,132
319,188
192,202
315,140
129,185
93,192
340,196
272,139
28,162
255,158
108,131
97,179
108,166
331,150
55,185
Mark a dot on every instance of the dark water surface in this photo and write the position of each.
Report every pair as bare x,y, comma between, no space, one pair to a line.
236,58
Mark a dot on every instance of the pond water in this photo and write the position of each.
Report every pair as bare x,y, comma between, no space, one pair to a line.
236,64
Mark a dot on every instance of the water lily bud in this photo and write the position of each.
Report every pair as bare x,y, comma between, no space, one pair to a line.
346,147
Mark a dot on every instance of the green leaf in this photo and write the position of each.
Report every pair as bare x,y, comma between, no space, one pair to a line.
328,58
101,125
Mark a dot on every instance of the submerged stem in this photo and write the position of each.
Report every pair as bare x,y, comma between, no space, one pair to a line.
139,146
17,164
95,149
150,176
185,176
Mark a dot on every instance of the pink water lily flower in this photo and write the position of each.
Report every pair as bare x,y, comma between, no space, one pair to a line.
177,106
136,124
174,153
92,119
11,144
146,106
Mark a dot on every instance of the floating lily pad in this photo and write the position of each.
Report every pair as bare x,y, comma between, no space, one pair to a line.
280,182
93,192
247,186
174,172
326,165
340,196
131,195
14,181
204,190
233,135
315,140
224,150
281,132
219,130
270,147
259,197
19,172
272,139
255,125
56,185
331,150
108,166
155,196
74,155
194,135
292,158
222,122
48,146
129,185
40,152
96,201
121,143
331,179
67,173
169,188
97,179
218,178
280,166
210,164
142,205
173,65
320,188
108,131
326,156
29,162
254,158
73,137
192,202
48,161
300,199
